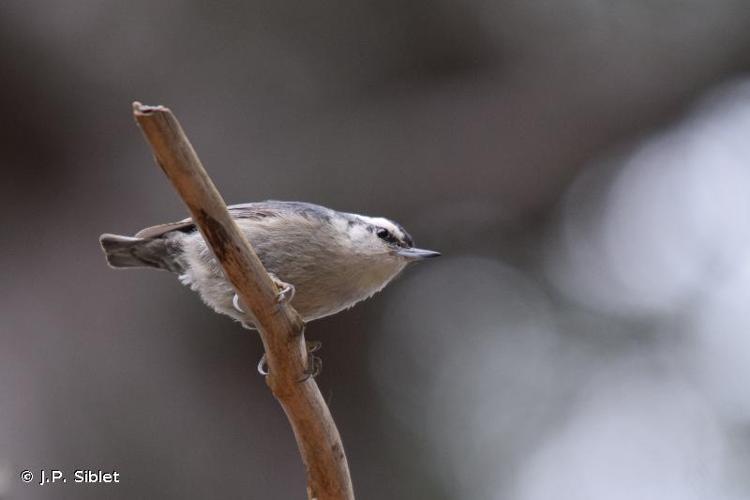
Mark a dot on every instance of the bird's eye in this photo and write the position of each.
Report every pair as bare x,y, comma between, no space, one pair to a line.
387,236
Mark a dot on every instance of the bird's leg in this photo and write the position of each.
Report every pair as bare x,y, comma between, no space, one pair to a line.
286,290
286,294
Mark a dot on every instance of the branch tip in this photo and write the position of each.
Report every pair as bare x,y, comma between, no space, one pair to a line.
140,109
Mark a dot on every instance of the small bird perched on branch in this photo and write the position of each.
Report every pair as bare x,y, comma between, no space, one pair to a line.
323,261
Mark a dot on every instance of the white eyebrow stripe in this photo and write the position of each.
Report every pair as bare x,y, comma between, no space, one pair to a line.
383,222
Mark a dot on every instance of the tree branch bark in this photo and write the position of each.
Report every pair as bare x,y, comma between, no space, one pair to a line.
281,328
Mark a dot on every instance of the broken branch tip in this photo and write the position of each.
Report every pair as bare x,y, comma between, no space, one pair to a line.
140,109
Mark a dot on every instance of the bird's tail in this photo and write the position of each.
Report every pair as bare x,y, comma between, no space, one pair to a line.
126,251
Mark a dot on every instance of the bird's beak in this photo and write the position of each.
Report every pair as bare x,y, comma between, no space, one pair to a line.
417,253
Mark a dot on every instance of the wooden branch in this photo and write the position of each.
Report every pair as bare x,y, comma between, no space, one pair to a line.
281,328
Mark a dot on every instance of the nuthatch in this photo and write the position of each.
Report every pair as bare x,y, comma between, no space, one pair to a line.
324,261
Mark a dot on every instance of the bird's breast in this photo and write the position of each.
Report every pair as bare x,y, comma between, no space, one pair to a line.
340,289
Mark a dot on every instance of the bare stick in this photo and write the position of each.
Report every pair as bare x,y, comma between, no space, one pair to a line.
281,328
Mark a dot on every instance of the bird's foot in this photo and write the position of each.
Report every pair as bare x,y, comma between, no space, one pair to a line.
285,295
315,364
286,290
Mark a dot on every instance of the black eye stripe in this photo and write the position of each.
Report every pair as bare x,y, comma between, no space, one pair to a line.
387,236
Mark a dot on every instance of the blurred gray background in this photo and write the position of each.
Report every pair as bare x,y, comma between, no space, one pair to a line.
582,165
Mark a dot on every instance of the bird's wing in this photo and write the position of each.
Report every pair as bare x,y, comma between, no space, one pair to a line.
162,229
258,210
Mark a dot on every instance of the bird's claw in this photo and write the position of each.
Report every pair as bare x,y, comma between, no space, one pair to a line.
314,363
236,303
263,365
313,345
286,294
314,367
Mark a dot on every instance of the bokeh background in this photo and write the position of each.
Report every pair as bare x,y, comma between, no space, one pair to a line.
582,165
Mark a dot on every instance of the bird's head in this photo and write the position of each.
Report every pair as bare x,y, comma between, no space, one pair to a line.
384,238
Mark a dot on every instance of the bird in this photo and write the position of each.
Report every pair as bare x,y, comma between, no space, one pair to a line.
322,260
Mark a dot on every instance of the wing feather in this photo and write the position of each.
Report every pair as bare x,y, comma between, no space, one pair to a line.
258,210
